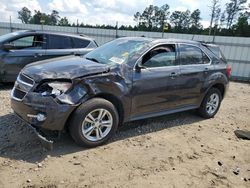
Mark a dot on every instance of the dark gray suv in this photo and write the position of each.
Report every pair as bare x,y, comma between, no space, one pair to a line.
20,48
123,80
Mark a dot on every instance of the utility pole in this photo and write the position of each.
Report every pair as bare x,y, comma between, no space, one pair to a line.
10,25
77,26
42,22
116,30
163,25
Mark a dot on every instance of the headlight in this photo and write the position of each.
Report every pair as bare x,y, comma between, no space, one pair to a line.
59,87
55,88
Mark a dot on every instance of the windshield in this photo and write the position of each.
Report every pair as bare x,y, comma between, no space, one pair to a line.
7,36
118,51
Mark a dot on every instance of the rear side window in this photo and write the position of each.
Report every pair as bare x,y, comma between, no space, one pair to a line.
216,51
80,43
192,55
59,42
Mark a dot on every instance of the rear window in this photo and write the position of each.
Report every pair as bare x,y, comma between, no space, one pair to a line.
59,42
217,52
80,43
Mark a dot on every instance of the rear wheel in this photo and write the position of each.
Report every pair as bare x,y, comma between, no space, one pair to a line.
211,103
94,122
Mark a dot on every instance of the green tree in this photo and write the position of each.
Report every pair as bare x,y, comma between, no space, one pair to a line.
195,19
152,18
36,18
180,20
233,9
137,17
65,22
24,15
54,17
242,28
163,15
215,10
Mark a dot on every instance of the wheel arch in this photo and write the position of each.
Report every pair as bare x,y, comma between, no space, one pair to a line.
109,97
220,87
115,101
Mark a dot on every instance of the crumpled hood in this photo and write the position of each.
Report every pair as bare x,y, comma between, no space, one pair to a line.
63,68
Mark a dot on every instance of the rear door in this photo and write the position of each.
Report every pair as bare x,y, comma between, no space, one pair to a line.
59,45
195,66
27,49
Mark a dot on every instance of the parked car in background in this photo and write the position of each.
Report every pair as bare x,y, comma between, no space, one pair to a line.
20,48
124,80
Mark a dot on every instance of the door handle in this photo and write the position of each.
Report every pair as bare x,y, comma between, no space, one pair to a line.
173,75
38,55
206,70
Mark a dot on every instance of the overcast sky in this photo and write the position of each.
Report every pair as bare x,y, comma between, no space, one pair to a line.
101,11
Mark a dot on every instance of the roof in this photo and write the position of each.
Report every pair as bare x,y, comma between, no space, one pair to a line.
155,41
55,33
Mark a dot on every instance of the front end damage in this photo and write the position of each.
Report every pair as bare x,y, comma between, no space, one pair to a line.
44,107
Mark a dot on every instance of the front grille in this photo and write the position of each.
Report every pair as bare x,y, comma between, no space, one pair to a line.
22,86
18,93
26,79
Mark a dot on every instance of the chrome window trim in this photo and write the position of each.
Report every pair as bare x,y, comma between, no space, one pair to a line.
176,45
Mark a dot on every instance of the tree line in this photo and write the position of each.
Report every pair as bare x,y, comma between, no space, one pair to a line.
233,21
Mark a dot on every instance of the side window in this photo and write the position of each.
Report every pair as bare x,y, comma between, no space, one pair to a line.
161,56
92,44
59,42
80,43
191,55
29,42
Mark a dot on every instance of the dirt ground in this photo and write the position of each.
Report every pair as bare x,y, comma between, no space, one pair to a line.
181,150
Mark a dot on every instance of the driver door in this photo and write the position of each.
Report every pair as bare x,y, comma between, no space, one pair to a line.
27,49
156,82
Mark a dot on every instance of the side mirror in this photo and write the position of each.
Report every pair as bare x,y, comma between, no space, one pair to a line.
8,46
139,66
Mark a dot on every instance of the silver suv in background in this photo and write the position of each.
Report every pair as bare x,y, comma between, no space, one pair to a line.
20,48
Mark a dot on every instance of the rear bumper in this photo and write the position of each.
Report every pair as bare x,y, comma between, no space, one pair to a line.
56,115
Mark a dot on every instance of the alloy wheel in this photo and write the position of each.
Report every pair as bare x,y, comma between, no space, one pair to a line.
97,124
212,103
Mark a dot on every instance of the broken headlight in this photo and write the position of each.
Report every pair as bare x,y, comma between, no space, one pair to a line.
54,88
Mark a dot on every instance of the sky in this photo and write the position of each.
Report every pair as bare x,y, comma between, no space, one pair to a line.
101,11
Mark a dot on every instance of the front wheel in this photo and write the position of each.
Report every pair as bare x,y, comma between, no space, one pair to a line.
94,122
211,103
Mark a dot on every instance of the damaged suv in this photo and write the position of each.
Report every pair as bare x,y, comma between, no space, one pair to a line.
124,80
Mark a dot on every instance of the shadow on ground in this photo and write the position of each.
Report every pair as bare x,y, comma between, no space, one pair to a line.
6,86
18,141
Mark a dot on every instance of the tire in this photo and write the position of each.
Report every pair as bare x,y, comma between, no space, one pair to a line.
87,128
206,111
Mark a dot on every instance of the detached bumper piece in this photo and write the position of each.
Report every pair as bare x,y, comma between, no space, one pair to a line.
46,143
42,112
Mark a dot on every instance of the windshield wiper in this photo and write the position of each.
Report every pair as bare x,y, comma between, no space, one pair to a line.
92,59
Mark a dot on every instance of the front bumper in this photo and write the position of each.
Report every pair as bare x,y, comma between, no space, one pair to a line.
34,103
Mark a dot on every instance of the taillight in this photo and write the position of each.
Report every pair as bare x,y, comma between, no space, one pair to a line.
229,70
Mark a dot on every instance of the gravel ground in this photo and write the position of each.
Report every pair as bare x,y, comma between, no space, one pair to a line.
180,150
